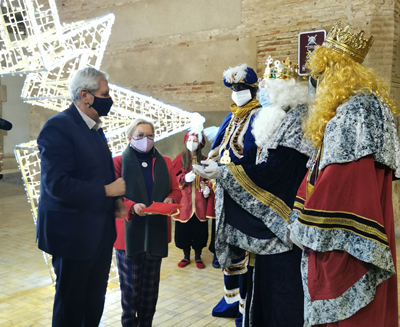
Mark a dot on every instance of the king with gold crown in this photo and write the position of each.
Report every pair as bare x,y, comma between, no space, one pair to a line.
343,213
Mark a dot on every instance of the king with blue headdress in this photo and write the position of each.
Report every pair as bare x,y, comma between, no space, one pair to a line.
233,140
255,195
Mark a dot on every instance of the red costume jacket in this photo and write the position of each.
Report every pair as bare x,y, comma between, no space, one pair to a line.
193,200
174,194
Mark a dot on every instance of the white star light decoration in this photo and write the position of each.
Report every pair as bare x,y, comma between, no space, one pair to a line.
33,42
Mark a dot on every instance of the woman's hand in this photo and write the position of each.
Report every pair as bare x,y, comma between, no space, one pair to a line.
168,200
206,191
190,177
137,207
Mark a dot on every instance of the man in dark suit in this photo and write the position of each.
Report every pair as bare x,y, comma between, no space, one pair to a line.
79,200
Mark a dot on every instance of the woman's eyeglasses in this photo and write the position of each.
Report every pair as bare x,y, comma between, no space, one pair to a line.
141,135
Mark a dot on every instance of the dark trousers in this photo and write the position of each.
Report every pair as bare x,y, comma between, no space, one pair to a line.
80,290
249,295
139,279
193,233
211,247
278,298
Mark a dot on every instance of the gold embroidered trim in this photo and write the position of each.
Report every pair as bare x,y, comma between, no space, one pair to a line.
346,222
235,121
298,206
252,259
231,295
260,194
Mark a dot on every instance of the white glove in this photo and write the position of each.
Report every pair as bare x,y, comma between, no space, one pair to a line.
206,191
210,171
294,239
189,177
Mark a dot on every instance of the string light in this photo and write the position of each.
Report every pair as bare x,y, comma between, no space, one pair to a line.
33,42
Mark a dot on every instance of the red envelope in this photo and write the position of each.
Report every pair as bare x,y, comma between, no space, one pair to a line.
161,208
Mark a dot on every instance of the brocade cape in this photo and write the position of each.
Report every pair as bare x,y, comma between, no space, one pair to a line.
343,215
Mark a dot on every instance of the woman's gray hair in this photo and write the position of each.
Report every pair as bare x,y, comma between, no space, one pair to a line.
138,121
87,78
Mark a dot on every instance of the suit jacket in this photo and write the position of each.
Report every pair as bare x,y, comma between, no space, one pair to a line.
75,218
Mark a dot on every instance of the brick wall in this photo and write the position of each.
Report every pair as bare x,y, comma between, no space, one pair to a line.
195,59
3,98
275,26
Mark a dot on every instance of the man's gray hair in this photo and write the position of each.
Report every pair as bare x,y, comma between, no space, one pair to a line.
138,121
87,78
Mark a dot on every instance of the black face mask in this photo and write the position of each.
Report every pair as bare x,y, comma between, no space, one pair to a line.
313,82
312,87
102,105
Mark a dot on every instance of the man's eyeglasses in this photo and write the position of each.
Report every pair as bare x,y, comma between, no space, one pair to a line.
141,135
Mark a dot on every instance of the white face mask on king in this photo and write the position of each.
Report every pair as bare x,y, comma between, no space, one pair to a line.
241,97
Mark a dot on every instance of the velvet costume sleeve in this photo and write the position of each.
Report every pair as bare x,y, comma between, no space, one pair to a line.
210,211
118,173
57,166
181,178
258,200
174,190
221,131
249,140
177,164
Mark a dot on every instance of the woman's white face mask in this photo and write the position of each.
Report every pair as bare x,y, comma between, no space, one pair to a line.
241,97
192,146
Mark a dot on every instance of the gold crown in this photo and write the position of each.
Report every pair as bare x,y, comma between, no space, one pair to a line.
280,69
343,41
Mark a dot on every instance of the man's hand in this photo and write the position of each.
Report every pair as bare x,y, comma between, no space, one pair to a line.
137,207
210,171
120,212
116,188
168,200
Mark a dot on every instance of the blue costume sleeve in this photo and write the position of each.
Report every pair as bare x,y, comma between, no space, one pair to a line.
249,140
221,131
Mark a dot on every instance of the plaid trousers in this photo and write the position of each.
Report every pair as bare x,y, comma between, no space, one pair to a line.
139,279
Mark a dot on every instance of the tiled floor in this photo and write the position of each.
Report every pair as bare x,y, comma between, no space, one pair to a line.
187,295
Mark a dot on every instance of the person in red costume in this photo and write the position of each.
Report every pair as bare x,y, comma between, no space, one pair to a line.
142,240
343,214
191,224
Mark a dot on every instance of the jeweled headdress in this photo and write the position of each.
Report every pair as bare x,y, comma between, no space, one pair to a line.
280,69
340,39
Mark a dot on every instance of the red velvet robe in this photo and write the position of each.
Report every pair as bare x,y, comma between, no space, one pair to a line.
355,197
